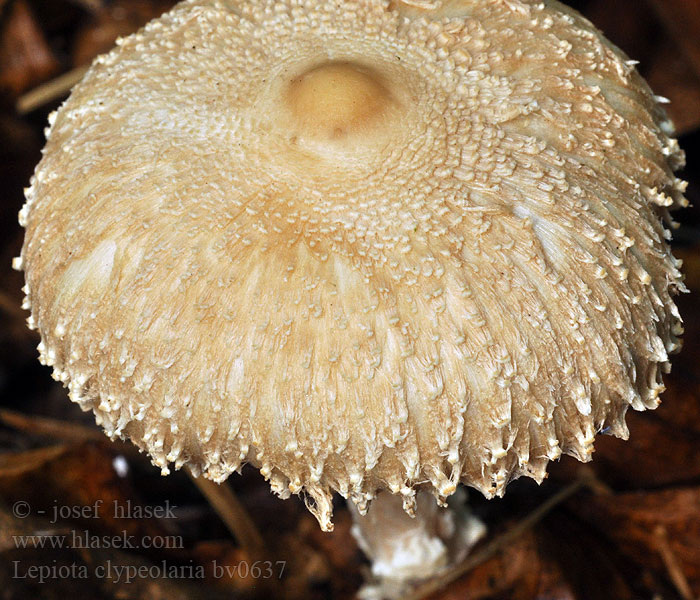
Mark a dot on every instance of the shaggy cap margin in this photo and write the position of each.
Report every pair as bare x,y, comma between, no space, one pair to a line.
455,276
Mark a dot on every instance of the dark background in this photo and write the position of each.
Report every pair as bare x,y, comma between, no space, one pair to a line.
636,537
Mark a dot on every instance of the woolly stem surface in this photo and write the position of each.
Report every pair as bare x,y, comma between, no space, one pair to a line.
404,550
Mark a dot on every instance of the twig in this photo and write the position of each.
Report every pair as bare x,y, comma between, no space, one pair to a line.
70,433
498,543
13,464
598,487
50,91
232,513
45,426
221,497
673,567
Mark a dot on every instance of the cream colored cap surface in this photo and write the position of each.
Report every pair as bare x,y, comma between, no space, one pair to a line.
361,245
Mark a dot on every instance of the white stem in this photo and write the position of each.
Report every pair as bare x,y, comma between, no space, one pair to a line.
404,550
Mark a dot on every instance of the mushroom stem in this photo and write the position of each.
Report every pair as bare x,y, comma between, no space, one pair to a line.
404,550
585,479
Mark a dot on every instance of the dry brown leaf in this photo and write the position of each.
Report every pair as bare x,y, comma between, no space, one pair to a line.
681,18
80,475
234,567
25,57
514,574
630,522
589,566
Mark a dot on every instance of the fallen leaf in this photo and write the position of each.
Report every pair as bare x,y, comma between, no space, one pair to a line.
25,57
629,522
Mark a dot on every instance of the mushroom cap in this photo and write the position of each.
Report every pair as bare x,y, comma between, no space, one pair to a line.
360,245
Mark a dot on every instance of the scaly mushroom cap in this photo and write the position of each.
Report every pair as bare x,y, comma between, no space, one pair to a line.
361,245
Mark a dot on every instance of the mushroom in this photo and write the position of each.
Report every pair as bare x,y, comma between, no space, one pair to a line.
363,246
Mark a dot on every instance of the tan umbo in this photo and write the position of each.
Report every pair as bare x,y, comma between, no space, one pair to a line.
361,245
